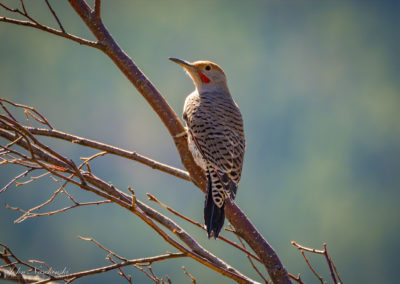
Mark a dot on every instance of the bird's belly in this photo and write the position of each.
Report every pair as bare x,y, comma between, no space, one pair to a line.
197,156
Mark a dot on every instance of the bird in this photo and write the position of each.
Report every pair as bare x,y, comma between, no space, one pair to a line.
215,134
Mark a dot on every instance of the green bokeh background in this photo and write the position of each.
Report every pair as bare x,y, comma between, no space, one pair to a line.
318,86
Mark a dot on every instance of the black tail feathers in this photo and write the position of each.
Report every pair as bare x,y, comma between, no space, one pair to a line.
214,216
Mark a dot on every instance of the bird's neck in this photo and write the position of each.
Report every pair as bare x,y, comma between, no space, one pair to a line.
213,88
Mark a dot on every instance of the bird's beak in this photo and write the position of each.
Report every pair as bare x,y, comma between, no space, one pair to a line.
183,63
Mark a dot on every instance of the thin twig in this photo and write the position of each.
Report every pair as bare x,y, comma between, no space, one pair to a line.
102,247
34,215
313,250
152,273
111,150
25,173
332,267
4,255
27,135
138,267
74,38
42,119
250,260
29,212
48,268
17,183
89,159
297,279
329,260
33,268
180,215
189,275
55,16
4,107
311,268
120,271
128,262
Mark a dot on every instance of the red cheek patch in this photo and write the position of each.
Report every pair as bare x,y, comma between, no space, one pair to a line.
203,77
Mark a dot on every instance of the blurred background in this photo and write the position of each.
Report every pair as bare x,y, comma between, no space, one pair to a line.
318,86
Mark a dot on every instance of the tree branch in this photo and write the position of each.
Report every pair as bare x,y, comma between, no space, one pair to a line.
143,85
236,216
113,266
105,42
324,252
55,16
52,31
111,150
89,182
180,215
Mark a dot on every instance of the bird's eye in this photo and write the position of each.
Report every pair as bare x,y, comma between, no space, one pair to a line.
208,67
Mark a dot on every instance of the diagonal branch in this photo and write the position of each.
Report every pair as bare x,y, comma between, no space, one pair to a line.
102,247
180,215
52,31
244,228
111,150
324,252
95,185
197,251
143,85
35,24
234,214
55,16
25,173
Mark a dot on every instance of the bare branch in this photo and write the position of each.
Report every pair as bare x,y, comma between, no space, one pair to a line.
331,265
24,174
42,119
102,247
313,250
145,213
7,251
74,38
251,261
89,159
28,214
312,269
328,259
108,45
9,275
31,179
180,215
55,16
189,275
14,268
97,8
111,193
120,271
111,150
151,277
113,266
297,279
4,107
154,276
171,121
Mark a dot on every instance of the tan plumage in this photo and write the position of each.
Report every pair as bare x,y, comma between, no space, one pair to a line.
215,137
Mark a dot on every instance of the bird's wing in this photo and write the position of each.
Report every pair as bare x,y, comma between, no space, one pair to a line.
221,143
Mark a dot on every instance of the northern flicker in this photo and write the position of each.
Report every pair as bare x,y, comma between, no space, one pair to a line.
215,137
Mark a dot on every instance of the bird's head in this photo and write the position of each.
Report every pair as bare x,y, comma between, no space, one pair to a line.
206,75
